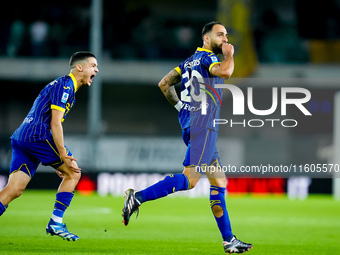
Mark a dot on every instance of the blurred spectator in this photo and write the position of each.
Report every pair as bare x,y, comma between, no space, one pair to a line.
16,36
297,187
184,40
55,39
38,32
155,30
269,24
145,36
278,41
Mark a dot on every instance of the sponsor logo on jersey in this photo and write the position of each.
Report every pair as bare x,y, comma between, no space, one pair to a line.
195,62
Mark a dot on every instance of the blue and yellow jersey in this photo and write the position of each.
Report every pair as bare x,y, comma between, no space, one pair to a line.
197,81
59,95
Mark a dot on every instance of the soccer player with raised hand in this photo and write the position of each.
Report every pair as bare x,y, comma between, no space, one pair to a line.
198,76
40,139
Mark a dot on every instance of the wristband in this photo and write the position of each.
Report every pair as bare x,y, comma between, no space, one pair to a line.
178,106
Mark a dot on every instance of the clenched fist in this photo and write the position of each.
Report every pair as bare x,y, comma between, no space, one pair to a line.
227,49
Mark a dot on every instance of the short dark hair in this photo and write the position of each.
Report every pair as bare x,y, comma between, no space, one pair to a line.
79,56
209,26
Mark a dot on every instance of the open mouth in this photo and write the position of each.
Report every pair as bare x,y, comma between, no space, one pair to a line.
91,77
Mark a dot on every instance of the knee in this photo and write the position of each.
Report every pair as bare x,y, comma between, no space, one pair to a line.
75,176
16,192
72,175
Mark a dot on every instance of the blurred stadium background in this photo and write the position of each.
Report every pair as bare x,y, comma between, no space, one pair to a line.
122,130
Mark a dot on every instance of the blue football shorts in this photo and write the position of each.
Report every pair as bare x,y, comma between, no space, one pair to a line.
202,150
26,156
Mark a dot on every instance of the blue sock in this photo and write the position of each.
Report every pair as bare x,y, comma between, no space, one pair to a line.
62,202
2,208
222,219
170,184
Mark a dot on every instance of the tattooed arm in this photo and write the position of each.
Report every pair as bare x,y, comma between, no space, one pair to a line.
167,86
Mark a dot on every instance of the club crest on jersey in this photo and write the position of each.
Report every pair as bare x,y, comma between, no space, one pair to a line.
64,98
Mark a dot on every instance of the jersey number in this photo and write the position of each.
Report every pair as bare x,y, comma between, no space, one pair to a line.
185,95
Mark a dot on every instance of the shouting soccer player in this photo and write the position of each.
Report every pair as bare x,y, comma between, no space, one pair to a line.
40,139
198,74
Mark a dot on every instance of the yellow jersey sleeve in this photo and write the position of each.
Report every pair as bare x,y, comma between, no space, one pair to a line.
212,65
178,70
58,108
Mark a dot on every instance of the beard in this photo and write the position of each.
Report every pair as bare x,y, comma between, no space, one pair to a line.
217,49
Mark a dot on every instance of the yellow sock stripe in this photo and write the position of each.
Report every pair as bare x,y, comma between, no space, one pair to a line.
214,202
61,203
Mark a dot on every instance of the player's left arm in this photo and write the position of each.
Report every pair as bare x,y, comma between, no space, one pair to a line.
58,138
167,87
226,68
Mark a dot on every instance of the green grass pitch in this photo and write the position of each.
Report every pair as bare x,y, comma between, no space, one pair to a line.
172,225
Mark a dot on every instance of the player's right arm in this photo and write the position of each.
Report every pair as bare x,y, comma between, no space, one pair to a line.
226,68
167,87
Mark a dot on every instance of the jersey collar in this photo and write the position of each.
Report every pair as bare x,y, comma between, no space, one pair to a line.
201,49
74,81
